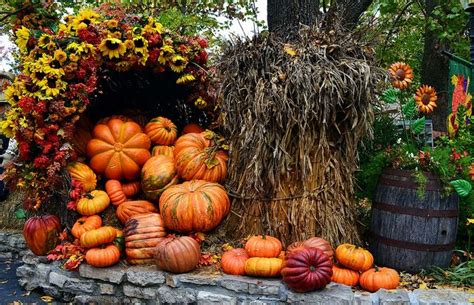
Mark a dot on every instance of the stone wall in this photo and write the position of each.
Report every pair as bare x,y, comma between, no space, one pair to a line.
123,284
12,245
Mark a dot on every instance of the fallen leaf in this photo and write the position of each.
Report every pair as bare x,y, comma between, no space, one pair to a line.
289,50
47,299
26,294
3,282
423,286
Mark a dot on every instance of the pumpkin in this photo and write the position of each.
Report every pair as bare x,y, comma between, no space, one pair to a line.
163,150
158,174
97,237
379,277
103,257
263,246
344,276
118,149
115,192
313,242
41,233
94,203
263,266
119,240
161,131
130,189
197,157
137,207
142,234
122,117
192,128
82,135
85,224
307,269
83,174
178,254
233,261
194,206
354,258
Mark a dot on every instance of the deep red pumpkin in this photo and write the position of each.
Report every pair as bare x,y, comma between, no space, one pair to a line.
41,233
307,269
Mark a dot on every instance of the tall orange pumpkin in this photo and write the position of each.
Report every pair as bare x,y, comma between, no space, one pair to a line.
194,206
158,174
83,174
41,233
85,224
137,207
118,149
161,131
197,157
130,189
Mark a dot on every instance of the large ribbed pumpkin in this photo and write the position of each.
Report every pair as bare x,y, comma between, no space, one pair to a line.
192,128
118,149
83,174
198,158
158,174
137,207
313,242
161,131
194,206
142,234
178,254
41,233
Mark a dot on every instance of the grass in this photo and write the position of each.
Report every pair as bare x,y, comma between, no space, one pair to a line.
460,275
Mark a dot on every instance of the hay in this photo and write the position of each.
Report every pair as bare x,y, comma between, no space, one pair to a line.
294,124
9,206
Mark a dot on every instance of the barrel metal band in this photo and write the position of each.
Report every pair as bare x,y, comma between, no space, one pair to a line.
402,244
407,173
426,213
430,186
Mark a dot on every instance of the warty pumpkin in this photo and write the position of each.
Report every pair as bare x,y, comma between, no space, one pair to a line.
158,174
161,131
103,257
313,242
97,237
354,258
84,224
136,207
344,276
233,261
41,233
83,174
178,254
263,266
94,203
194,206
379,277
263,246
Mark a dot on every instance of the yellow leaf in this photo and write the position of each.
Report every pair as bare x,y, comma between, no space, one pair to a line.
423,286
471,300
289,50
470,221
47,299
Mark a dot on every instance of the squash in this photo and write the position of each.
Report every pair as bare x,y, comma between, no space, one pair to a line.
379,277
354,258
263,246
115,192
137,207
103,257
178,254
131,189
84,224
94,203
314,242
41,233
97,237
344,276
192,128
158,174
263,266
161,131
233,261
163,150
83,174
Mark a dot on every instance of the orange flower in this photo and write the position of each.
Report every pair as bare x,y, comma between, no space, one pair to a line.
426,98
471,171
401,75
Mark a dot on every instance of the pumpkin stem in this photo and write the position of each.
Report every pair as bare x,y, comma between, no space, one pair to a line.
89,196
376,268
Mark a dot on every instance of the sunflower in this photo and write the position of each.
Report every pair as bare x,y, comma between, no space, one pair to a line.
60,56
152,27
401,75
112,47
426,99
112,23
50,66
52,86
166,51
81,49
22,37
140,45
185,79
84,18
200,103
123,66
45,41
178,63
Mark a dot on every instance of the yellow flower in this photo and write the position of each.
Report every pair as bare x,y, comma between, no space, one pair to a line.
60,55
140,45
426,98
50,66
112,47
200,103
84,18
11,94
166,52
81,49
401,75
129,44
22,36
52,87
152,27
45,41
116,34
185,78
112,23
23,122
73,57
37,76
123,66
470,221
178,63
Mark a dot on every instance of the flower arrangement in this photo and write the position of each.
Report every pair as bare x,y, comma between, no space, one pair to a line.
59,75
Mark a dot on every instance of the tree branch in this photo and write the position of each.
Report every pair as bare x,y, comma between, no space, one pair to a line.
351,10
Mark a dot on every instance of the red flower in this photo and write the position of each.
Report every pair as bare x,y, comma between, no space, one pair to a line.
24,149
26,103
202,42
153,56
455,155
154,39
89,35
41,162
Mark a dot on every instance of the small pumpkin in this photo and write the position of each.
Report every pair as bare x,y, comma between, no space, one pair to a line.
192,128
83,174
94,203
41,233
194,206
314,242
307,269
158,174
178,254
84,224
97,237
115,192
263,266
379,277
263,246
103,257
354,258
161,131
344,276
233,261
130,189
137,207
163,150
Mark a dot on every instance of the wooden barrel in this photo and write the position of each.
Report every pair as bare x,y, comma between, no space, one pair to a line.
408,232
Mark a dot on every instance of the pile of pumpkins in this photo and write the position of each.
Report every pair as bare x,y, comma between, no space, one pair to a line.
309,265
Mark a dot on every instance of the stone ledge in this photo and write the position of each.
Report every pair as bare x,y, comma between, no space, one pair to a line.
12,245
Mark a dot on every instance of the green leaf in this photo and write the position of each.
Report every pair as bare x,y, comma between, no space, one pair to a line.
409,108
390,96
418,126
462,187
20,214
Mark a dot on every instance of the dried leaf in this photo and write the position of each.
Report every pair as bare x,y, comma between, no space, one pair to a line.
47,298
289,50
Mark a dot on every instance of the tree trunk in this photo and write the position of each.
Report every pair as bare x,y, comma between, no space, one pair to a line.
350,10
288,15
435,69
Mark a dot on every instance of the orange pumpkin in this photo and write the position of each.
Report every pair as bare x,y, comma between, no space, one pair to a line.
85,224
142,234
115,116
158,174
354,258
379,277
194,206
115,192
41,233
313,242
137,207
94,203
198,158
118,149
103,257
233,261
163,150
178,254
119,239
263,266
344,276
161,131
83,174
130,189
97,237
263,246
192,128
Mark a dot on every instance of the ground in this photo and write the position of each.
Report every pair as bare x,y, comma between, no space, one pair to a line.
10,290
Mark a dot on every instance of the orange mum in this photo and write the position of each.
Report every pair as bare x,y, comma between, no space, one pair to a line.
426,98
401,75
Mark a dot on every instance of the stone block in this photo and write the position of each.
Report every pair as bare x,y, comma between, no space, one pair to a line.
16,241
267,288
97,300
206,279
333,294
57,279
442,297
6,255
145,276
393,297
107,289
114,274
80,285
32,259
209,298
365,298
169,295
139,292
